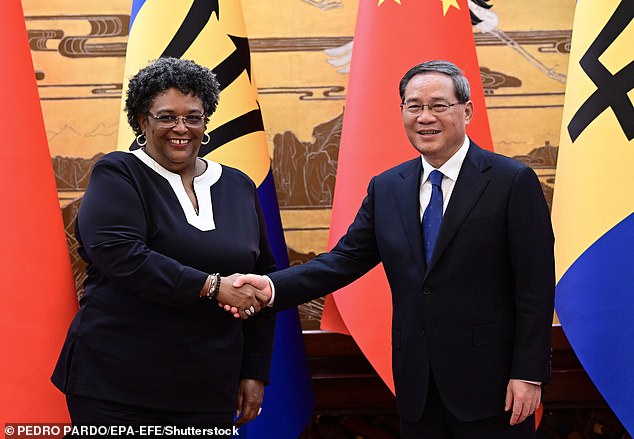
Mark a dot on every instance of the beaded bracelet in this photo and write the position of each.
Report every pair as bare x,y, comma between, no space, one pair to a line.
214,287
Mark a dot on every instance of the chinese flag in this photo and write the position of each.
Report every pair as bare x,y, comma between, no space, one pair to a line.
391,37
37,293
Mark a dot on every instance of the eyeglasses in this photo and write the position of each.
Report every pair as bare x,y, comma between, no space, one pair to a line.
170,121
435,109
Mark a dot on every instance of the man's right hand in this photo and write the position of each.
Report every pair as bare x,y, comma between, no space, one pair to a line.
260,282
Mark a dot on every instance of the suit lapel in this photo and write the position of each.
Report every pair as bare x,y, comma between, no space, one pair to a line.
467,190
406,193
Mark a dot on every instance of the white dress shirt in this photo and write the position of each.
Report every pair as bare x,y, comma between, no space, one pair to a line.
450,170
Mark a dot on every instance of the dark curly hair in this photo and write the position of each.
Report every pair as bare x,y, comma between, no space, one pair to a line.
164,73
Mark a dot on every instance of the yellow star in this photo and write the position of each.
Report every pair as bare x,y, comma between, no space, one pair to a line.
381,1
446,4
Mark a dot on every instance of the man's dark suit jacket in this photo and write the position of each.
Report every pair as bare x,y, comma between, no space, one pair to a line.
481,313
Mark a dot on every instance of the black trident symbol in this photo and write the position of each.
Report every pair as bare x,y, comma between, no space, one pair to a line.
611,89
226,72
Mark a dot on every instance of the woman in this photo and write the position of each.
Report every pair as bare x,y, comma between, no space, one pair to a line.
160,228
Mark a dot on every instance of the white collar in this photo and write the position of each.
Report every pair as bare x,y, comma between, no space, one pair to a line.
204,220
451,168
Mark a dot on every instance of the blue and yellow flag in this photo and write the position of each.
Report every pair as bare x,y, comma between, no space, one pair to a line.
593,206
212,33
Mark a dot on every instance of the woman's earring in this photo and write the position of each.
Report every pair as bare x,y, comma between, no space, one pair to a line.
141,140
204,142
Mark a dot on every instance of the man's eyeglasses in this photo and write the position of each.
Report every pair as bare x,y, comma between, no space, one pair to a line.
414,109
170,121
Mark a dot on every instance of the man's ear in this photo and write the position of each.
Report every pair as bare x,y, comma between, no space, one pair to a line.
468,112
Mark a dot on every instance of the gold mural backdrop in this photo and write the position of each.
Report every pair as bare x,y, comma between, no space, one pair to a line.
301,52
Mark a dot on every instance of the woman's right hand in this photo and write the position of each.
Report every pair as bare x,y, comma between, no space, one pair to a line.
244,301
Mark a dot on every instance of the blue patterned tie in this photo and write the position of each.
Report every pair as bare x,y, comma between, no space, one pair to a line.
432,218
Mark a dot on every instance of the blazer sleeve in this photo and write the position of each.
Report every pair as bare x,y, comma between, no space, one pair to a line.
259,331
354,255
112,228
531,247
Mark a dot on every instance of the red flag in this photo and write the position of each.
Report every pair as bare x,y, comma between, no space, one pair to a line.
391,37
37,293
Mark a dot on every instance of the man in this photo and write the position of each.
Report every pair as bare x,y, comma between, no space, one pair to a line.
472,291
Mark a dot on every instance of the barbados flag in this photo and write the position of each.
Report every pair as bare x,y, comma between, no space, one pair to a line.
593,206
212,33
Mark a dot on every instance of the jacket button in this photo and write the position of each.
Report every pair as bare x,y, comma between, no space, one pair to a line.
426,291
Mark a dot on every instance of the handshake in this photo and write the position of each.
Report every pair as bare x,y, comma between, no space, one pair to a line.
244,295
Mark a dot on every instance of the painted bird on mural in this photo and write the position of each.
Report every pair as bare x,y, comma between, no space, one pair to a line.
486,21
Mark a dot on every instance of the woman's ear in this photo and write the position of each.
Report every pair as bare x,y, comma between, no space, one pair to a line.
141,119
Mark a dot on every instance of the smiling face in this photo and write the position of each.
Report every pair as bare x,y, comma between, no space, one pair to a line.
436,137
174,148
